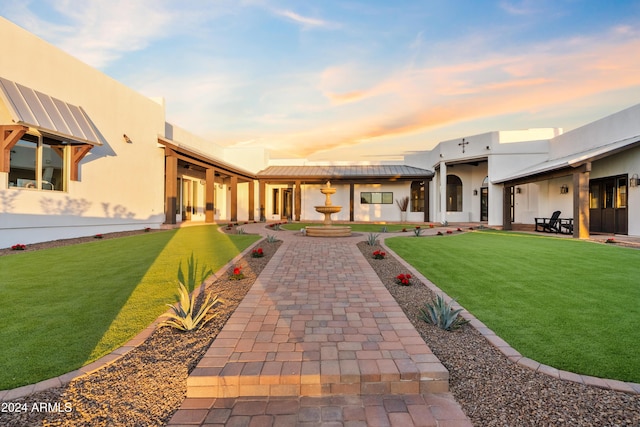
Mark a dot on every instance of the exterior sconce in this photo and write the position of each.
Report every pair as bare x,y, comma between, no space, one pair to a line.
634,181
518,190
564,189
126,139
475,192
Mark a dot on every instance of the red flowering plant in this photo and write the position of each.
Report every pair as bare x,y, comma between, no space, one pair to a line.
610,240
237,274
403,279
439,233
147,229
379,254
449,232
18,247
430,225
98,236
257,253
459,229
404,230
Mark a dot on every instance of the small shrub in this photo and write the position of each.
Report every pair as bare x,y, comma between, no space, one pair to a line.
379,254
449,232
404,230
403,279
18,247
442,315
439,233
237,274
257,253
372,239
610,240
383,230
271,238
417,231
98,236
147,229
186,316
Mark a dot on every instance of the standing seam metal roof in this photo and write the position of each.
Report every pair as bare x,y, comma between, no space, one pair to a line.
353,171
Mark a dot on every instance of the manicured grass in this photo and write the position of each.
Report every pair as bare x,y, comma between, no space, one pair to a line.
359,228
574,305
68,306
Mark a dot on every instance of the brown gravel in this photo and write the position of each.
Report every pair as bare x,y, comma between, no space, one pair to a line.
492,390
146,386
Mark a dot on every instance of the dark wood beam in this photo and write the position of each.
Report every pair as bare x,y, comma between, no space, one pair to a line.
170,186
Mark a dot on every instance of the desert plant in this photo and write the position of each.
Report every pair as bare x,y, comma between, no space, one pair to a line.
240,230
195,274
383,229
257,253
403,203
237,274
186,316
417,231
372,239
442,315
271,238
403,279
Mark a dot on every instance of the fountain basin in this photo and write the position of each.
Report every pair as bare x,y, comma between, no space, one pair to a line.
328,231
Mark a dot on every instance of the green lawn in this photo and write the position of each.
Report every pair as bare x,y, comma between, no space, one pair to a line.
68,306
571,304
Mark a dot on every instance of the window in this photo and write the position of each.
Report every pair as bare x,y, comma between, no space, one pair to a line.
384,198
454,194
38,162
622,193
417,196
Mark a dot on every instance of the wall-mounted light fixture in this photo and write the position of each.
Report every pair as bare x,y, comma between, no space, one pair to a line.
126,139
488,147
518,190
475,192
564,189
634,181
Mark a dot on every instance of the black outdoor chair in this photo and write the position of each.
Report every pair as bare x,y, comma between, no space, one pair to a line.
550,225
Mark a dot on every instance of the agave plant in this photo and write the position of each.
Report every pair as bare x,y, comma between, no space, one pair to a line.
186,316
442,315
372,239
271,238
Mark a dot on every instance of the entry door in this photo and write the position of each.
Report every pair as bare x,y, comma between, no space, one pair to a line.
186,199
608,205
484,204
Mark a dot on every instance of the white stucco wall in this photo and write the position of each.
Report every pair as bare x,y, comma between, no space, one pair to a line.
120,184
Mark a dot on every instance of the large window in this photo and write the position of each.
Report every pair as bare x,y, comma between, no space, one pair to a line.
417,196
384,198
454,194
38,162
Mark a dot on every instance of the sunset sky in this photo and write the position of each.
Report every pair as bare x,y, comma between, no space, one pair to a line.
356,80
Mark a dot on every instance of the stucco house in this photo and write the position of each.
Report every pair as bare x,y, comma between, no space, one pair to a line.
81,154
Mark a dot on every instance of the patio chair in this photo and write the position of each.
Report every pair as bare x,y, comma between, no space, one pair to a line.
549,225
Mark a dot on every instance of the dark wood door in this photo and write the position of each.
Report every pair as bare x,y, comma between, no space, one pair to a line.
608,205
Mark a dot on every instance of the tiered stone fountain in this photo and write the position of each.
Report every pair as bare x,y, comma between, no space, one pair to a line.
328,230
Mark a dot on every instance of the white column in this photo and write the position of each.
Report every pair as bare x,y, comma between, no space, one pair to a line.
443,191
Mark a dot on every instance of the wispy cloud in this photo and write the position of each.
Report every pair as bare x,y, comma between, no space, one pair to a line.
305,21
100,31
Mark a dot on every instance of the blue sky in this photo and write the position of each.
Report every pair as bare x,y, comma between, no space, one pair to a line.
356,80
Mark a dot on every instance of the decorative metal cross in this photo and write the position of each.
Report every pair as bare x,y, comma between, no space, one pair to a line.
462,144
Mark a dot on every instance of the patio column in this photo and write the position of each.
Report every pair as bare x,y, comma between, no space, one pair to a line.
507,191
443,191
581,202
297,201
210,194
233,186
352,195
426,196
262,195
252,200
170,185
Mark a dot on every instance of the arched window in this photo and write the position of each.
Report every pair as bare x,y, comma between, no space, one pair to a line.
417,196
485,181
454,194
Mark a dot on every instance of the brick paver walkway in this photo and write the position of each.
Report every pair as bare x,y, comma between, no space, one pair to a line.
318,340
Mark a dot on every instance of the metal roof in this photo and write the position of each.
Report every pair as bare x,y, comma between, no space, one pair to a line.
35,109
573,160
344,172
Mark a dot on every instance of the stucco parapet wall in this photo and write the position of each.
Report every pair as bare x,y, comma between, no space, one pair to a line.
504,347
104,361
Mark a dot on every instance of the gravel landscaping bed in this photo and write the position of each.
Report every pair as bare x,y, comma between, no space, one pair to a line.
492,390
146,386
